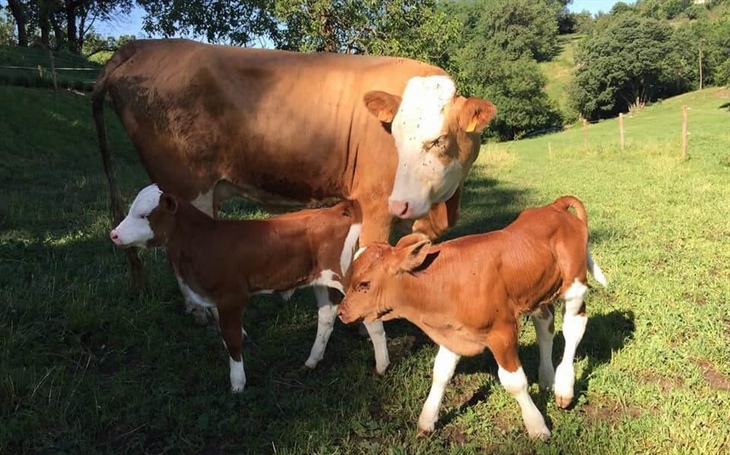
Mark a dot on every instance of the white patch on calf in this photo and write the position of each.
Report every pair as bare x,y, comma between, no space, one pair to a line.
421,179
358,253
237,375
329,279
349,247
193,296
135,230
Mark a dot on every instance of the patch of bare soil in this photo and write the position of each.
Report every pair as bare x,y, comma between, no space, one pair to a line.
716,379
612,413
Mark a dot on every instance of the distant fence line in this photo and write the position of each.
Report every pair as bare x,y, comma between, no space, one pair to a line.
685,135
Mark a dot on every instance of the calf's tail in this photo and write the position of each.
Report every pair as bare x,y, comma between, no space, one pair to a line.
567,202
97,109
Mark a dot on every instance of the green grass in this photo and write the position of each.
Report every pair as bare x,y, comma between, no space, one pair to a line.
72,71
87,367
559,72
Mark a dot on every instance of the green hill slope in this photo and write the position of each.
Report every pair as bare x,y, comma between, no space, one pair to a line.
32,67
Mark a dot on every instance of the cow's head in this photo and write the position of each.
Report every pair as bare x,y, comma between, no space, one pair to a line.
151,218
376,285
437,135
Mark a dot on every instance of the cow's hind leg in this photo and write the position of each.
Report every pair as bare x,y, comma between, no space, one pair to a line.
502,341
543,320
574,326
326,315
443,370
232,333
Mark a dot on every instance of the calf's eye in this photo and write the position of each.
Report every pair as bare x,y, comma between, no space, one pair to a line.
362,286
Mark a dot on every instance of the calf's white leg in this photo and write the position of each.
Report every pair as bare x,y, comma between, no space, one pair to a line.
515,383
543,320
380,346
326,315
443,370
574,326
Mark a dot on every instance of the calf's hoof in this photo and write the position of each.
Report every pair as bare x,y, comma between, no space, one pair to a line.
311,364
541,434
423,433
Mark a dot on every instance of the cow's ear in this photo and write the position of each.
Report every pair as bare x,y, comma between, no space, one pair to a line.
382,105
475,114
168,202
410,252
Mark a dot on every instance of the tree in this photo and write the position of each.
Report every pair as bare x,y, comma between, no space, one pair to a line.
488,62
239,22
621,65
7,29
20,15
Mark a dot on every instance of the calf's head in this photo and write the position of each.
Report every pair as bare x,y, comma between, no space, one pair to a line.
150,219
437,136
376,282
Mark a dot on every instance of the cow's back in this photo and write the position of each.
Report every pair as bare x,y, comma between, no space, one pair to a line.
281,123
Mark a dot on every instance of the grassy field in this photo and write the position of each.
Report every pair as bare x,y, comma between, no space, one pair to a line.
559,72
87,367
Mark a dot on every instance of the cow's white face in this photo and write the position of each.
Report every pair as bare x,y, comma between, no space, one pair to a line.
421,179
436,134
135,229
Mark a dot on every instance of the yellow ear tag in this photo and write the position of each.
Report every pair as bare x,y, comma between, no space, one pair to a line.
472,126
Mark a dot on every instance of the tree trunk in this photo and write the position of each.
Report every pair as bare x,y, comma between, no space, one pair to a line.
71,31
57,31
18,12
44,24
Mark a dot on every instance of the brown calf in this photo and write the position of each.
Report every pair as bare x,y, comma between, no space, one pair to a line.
221,263
468,294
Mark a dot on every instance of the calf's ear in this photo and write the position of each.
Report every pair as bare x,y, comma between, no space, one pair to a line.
168,202
410,252
475,114
382,105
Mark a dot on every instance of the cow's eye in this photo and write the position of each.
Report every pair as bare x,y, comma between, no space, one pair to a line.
439,142
362,286
144,216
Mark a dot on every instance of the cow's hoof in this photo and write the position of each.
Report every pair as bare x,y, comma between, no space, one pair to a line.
563,400
423,433
311,364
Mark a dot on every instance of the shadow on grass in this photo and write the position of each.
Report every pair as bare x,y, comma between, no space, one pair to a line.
725,106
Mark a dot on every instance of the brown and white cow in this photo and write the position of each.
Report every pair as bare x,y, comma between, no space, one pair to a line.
468,294
286,128
222,263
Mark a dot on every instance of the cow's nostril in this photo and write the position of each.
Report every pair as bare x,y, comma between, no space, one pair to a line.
113,234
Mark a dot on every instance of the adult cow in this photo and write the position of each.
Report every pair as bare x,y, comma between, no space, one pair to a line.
285,129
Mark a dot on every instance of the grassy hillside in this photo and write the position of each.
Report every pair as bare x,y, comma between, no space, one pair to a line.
559,71
20,67
86,367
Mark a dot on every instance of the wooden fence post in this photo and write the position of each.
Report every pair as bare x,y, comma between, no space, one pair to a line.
53,72
684,132
621,129
585,134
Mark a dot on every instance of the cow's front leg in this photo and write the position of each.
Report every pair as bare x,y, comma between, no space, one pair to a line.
544,323
199,312
232,333
502,341
574,326
326,315
443,370
380,345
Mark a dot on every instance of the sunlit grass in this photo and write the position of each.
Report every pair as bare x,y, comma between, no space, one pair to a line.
88,367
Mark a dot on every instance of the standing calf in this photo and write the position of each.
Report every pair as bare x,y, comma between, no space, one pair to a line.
468,294
221,263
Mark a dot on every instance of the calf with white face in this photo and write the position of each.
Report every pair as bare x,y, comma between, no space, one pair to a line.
219,264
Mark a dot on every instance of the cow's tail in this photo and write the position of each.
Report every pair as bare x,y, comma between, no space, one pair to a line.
97,108
565,203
